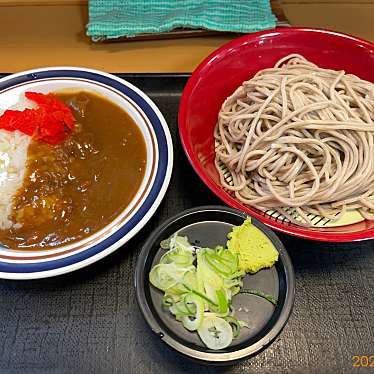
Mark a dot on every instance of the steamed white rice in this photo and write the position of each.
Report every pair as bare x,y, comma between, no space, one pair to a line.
13,157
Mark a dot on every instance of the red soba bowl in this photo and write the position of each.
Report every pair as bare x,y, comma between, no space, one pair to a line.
225,69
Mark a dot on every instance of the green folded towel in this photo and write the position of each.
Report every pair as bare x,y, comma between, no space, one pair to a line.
116,18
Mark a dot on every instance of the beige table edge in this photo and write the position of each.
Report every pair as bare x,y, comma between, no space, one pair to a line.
52,33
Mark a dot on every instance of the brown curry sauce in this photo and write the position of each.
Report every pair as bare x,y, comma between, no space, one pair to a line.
74,189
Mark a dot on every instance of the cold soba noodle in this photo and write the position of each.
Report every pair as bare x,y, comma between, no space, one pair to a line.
300,136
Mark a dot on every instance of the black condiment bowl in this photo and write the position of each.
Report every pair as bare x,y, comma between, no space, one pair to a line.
209,226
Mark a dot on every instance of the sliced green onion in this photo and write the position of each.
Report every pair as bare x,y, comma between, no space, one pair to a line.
235,325
203,296
192,309
269,298
198,285
181,242
217,265
215,332
164,276
165,244
194,324
167,301
223,304
181,309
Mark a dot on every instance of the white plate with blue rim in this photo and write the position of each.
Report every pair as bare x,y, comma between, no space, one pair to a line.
20,264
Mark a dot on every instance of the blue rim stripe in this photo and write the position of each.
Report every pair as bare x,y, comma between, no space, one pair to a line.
163,162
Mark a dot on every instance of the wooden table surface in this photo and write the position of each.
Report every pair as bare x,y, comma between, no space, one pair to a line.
37,33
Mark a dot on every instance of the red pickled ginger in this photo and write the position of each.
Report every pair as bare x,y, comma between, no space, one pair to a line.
51,122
